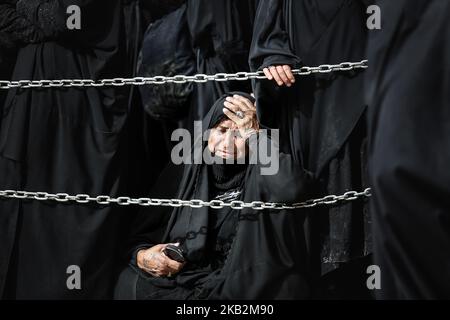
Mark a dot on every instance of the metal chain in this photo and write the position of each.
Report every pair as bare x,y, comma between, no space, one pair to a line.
157,80
195,203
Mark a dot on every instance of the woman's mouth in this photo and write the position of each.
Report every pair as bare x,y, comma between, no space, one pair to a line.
227,154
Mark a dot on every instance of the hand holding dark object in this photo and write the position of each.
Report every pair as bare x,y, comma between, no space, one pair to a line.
281,74
174,252
156,263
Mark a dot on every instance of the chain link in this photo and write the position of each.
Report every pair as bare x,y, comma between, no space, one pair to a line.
195,203
157,80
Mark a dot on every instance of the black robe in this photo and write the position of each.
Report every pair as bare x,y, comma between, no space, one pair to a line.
167,50
408,94
67,140
267,259
201,37
322,115
15,30
221,34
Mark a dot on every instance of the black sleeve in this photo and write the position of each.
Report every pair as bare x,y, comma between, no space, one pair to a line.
150,224
146,231
270,44
133,253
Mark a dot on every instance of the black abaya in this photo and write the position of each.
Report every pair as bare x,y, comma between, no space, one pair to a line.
322,115
408,93
15,30
221,34
267,254
66,140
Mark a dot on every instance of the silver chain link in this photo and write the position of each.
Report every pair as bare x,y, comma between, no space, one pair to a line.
157,80
195,203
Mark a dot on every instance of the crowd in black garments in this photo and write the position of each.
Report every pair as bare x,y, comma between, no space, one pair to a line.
386,127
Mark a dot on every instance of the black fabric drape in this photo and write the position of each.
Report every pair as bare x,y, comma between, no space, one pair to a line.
321,115
67,140
15,30
221,33
167,51
156,9
407,90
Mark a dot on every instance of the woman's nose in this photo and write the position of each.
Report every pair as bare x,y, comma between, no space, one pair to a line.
229,140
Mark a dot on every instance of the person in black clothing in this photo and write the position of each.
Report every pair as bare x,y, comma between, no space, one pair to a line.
408,94
221,34
230,254
201,36
15,30
323,115
71,140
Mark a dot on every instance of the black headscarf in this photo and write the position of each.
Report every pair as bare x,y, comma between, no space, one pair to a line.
267,258
190,225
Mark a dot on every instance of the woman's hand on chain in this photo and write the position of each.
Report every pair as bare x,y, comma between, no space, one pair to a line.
281,74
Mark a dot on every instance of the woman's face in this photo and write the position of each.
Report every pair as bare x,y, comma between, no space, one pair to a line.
225,141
